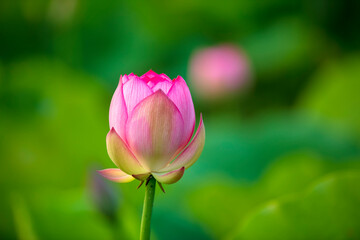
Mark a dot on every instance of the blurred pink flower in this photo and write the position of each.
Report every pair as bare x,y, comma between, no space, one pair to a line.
152,120
218,71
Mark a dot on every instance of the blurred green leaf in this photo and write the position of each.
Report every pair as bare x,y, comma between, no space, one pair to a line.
242,149
55,128
67,215
220,205
333,95
327,210
56,124
22,219
272,56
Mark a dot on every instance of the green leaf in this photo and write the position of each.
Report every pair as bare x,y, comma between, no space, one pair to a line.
334,93
222,205
326,210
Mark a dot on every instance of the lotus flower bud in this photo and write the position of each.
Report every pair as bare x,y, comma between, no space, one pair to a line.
104,197
218,71
152,121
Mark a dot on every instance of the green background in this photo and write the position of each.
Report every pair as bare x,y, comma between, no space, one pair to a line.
281,159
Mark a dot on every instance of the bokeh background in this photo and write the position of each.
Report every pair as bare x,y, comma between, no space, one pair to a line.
282,152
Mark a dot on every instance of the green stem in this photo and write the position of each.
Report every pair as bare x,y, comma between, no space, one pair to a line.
147,210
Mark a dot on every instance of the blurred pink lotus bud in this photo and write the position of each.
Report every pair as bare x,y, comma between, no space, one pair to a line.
152,120
218,71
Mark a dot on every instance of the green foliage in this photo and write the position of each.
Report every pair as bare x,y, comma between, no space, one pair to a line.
326,210
231,204
244,149
300,50
50,113
334,94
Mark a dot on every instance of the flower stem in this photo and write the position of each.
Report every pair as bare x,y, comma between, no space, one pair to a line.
147,209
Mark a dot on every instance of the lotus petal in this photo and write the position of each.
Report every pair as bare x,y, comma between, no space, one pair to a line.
180,95
135,90
141,177
118,111
149,74
192,152
155,131
169,177
164,86
165,77
121,155
116,175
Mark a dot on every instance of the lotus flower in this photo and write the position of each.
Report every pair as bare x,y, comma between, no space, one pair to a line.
219,71
152,121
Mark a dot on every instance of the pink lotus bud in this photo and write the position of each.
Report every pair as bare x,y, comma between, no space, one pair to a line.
152,120
218,71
